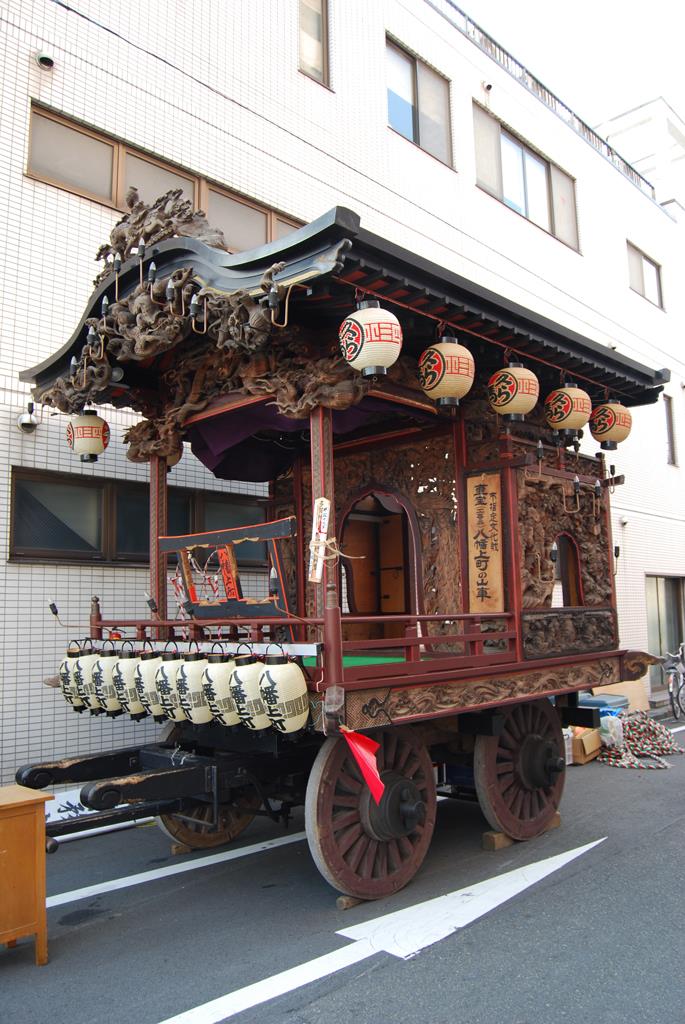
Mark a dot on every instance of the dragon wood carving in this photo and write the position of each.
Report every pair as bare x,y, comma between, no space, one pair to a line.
227,344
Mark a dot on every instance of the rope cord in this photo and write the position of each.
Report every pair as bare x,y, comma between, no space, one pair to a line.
643,740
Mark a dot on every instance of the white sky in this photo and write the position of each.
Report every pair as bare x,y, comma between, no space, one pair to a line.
600,57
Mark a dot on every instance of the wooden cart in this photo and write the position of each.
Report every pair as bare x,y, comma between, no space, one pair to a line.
466,592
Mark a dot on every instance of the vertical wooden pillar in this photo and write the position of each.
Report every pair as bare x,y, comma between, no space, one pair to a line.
321,448
300,578
327,603
158,527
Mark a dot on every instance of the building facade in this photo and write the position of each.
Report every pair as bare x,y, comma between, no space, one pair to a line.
266,114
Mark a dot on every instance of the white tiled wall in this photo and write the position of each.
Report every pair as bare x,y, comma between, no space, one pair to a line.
214,86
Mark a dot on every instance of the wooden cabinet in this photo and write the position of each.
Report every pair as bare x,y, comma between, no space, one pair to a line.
22,867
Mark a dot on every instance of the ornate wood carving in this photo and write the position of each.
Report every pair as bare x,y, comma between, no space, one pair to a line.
375,707
168,217
576,631
425,479
547,509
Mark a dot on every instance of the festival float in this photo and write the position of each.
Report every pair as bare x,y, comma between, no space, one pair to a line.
441,565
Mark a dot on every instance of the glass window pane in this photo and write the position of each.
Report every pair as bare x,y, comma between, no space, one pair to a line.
133,522
564,206
434,113
220,515
66,155
59,517
488,156
512,175
242,225
153,181
401,97
283,228
650,274
178,513
635,269
536,190
312,38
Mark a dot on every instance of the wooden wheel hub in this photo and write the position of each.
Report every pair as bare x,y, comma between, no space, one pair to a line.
363,849
519,775
401,808
539,762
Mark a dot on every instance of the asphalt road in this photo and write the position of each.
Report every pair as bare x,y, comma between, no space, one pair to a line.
599,939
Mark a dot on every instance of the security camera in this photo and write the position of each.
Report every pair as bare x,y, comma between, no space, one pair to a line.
28,421
487,86
45,61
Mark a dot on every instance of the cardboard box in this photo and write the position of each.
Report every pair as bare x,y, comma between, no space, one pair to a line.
586,745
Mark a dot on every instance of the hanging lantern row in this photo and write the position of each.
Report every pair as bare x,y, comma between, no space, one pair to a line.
371,341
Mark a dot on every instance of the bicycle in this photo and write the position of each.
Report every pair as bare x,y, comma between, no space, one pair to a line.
673,666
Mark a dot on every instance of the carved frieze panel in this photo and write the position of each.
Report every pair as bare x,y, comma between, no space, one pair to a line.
391,705
569,631
547,508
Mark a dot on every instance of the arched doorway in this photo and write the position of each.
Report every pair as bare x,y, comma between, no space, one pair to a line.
380,536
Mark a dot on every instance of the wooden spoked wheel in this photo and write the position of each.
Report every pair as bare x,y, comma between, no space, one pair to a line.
364,849
520,774
198,833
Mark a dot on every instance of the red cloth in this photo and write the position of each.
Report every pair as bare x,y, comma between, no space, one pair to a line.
364,752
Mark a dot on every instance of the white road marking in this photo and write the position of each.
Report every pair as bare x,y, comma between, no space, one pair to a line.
174,869
403,933
680,728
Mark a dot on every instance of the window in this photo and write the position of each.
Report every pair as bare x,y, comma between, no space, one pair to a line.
418,103
645,275
314,39
665,619
671,454
516,175
61,517
89,164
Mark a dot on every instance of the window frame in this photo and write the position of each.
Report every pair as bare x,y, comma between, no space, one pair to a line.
325,79
644,258
110,487
201,185
671,446
414,60
505,131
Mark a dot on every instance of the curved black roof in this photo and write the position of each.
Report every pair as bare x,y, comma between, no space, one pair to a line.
335,255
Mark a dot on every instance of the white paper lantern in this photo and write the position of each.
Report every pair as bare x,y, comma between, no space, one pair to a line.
283,687
83,677
371,339
446,371
124,679
246,693
513,392
87,435
105,691
67,683
610,424
189,685
146,683
216,684
568,409
166,682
